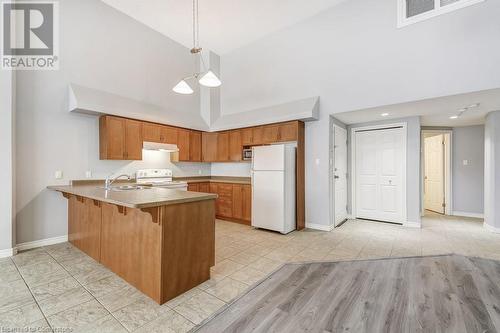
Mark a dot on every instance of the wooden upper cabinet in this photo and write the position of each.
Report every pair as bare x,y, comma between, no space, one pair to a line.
151,132
183,143
120,138
270,133
195,146
133,140
288,131
235,146
258,135
168,135
246,136
223,147
209,146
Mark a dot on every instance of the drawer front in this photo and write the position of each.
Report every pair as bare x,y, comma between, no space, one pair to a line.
225,190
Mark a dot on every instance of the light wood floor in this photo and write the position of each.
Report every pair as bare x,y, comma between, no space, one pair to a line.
449,293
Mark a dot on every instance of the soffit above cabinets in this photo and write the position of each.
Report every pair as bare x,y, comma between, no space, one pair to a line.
96,102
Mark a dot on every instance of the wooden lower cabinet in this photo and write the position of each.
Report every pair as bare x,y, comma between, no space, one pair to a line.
234,202
162,251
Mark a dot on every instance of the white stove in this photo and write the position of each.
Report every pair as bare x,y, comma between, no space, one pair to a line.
159,178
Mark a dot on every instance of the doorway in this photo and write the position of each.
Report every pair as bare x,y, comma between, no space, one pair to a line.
379,170
339,175
436,166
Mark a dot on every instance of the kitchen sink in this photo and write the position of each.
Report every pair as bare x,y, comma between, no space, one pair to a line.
124,188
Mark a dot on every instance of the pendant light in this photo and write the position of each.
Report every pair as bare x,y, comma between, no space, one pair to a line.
207,77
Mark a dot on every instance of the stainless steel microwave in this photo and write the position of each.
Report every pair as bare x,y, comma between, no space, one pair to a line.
247,154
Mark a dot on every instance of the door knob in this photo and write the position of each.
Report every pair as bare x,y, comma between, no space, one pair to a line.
336,177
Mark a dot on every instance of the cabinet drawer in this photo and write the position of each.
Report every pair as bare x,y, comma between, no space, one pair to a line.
225,210
225,190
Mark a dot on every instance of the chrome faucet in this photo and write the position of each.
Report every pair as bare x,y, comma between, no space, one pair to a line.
109,181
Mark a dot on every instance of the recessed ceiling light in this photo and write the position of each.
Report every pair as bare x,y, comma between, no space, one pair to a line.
385,114
454,117
475,105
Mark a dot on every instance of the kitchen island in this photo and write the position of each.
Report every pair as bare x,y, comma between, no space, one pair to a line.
159,240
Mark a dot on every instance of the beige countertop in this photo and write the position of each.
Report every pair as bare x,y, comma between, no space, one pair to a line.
216,179
144,198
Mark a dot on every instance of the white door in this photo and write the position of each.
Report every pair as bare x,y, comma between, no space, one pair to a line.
340,174
434,174
379,169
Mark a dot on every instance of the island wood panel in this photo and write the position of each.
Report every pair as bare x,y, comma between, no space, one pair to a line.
188,246
131,247
84,225
195,146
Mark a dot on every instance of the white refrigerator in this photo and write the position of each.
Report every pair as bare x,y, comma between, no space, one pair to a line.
273,187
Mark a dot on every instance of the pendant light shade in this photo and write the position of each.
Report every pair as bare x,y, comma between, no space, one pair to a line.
183,88
210,80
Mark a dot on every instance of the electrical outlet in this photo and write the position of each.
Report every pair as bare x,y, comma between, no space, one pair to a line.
200,172
88,174
58,174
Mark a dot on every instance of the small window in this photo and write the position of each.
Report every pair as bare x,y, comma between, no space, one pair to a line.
413,11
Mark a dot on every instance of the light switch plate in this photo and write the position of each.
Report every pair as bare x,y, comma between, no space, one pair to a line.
58,174
466,162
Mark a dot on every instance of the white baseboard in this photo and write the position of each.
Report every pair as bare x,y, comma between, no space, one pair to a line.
321,227
467,214
8,252
491,228
42,242
409,224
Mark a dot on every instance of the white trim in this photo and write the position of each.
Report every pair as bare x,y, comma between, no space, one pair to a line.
467,214
333,144
404,125
42,242
448,174
438,10
491,228
321,227
8,252
409,224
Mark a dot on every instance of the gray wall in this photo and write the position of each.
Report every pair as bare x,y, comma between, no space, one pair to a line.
491,174
7,159
468,180
412,164
354,57
103,49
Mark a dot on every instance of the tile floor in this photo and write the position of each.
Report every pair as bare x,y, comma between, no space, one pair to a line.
58,288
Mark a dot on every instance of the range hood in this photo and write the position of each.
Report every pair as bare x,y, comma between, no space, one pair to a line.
166,147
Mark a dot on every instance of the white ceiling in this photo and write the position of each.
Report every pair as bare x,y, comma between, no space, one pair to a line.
433,112
225,25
